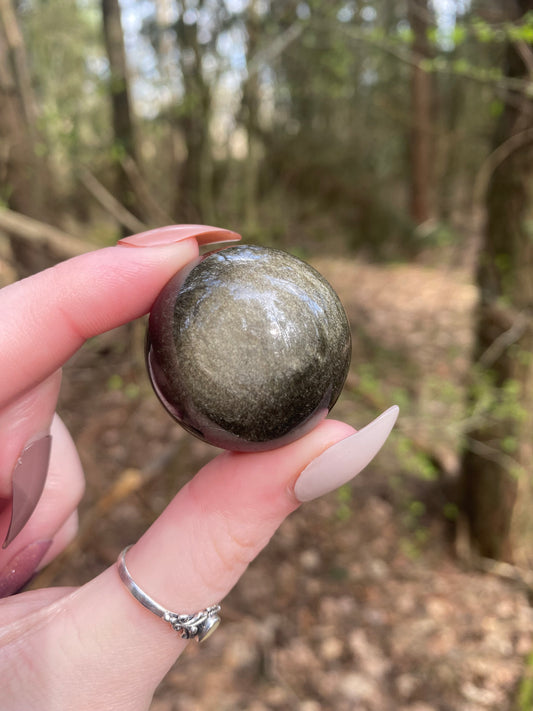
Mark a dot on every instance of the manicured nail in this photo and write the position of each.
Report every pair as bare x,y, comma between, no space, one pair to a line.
162,236
29,477
344,460
21,567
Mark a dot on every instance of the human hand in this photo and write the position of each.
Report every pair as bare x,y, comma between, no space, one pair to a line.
96,647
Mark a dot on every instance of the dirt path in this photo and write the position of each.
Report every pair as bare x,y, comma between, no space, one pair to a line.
357,604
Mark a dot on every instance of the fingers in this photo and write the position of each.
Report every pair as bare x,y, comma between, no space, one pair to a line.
62,538
46,317
190,558
25,420
61,495
24,455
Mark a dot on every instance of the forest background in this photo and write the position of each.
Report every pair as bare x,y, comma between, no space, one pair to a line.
390,144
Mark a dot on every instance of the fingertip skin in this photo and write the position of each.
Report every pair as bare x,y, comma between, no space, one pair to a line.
259,476
59,308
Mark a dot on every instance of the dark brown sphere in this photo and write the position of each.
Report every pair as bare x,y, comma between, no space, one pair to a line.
248,348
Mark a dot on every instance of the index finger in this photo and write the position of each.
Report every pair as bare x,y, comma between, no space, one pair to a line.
46,317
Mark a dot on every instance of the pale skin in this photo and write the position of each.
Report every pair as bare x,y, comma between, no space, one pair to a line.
95,647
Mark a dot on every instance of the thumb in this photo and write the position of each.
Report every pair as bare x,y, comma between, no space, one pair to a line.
105,649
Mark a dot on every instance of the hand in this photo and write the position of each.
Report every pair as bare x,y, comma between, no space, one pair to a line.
96,647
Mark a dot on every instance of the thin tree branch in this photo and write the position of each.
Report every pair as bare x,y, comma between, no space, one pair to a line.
496,158
504,340
41,233
16,45
274,49
492,454
143,192
506,571
109,202
526,53
523,86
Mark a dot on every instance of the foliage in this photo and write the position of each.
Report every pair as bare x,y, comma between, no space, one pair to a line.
68,71
292,122
322,88
524,700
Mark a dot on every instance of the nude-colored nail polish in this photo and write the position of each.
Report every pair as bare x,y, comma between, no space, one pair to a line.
29,477
171,234
21,567
344,460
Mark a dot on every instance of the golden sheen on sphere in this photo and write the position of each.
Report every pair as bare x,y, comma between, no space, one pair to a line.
248,348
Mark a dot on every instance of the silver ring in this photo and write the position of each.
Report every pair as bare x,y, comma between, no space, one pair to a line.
200,625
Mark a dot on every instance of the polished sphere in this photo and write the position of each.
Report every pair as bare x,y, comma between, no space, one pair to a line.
248,348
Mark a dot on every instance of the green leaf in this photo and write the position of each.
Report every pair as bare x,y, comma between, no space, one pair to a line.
115,382
496,108
417,508
510,444
406,35
461,66
459,35
483,31
433,35
132,391
450,511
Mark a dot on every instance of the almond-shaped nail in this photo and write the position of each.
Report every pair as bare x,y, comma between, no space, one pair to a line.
21,567
28,479
341,462
162,236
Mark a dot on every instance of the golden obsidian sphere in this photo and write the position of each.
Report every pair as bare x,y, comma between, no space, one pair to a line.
248,348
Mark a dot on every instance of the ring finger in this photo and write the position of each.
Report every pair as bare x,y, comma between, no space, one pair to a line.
63,489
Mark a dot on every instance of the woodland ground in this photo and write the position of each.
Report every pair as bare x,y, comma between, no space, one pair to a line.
359,603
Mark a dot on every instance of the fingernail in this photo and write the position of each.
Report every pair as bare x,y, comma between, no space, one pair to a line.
344,460
162,236
29,477
21,567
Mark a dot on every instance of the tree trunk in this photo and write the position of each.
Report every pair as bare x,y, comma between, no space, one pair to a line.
26,183
123,129
20,169
497,468
20,63
250,117
420,139
195,197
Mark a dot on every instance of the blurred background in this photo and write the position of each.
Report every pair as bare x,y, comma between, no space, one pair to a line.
391,145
